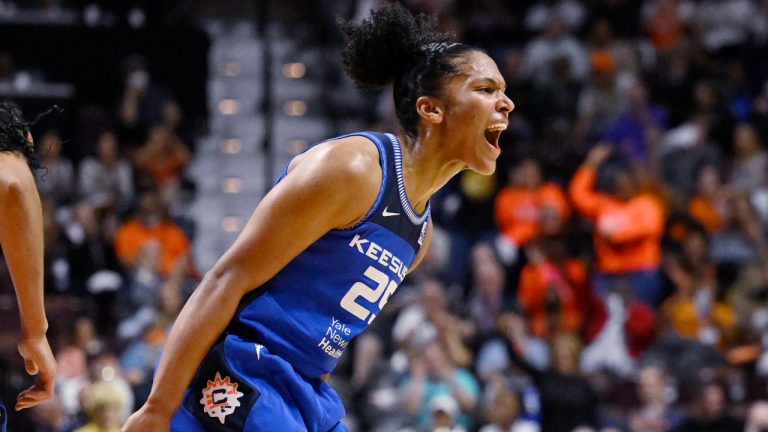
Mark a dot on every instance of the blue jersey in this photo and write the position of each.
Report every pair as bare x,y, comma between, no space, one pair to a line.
310,311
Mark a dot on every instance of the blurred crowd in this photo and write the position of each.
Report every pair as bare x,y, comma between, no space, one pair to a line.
118,264
611,276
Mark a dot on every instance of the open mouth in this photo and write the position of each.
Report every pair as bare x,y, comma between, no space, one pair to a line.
492,134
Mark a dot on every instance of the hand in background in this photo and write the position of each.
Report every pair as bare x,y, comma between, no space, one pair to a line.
598,155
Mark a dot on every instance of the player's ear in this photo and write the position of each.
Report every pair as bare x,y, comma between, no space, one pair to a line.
430,109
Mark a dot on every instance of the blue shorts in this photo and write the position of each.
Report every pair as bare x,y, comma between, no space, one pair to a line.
240,386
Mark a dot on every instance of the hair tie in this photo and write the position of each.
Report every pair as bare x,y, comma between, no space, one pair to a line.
438,47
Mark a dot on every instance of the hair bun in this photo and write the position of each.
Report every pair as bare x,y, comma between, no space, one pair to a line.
386,44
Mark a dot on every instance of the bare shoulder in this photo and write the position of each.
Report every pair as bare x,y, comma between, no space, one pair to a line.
14,173
351,164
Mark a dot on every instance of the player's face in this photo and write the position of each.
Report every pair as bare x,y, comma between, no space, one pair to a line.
476,112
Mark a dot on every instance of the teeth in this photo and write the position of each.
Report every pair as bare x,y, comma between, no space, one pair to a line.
497,127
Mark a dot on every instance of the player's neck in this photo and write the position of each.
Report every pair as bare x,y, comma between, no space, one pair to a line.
424,170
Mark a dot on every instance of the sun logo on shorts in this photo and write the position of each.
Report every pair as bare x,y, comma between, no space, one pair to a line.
220,398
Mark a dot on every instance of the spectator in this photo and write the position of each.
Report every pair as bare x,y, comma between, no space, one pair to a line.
655,414
627,228
432,375
142,102
151,223
103,403
489,300
520,206
709,412
501,410
666,22
567,399
552,291
572,12
106,180
750,163
601,101
708,205
694,309
636,133
554,43
59,180
163,157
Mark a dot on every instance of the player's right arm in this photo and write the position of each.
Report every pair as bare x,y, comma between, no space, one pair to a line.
330,186
21,237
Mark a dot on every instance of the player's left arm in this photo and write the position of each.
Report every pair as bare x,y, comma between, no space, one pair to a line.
424,248
21,237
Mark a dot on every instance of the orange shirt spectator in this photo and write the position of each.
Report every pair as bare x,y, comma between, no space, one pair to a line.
518,211
552,294
628,226
164,156
708,204
132,236
149,225
705,213
666,24
521,207
543,285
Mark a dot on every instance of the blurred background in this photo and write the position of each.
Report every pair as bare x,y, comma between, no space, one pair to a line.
611,276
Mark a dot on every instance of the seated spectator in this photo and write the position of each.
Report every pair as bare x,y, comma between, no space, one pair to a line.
628,226
572,12
693,311
554,43
655,412
601,101
151,223
106,180
444,410
103,403
567,399
501,410
163,157
709,412
59,180
519,206
708,205
742,239
432,374
488,300
750,159
635,134
666,23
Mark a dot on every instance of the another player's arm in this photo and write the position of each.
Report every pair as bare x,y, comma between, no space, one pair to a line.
21,237
331,186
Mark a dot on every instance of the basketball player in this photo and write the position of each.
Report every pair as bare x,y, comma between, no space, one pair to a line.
21,238
330,243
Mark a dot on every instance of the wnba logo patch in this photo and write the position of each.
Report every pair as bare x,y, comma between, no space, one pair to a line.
220,397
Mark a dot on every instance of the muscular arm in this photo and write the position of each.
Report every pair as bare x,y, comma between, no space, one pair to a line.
21,237
331,186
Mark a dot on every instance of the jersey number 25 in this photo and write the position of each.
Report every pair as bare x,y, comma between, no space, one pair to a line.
384,289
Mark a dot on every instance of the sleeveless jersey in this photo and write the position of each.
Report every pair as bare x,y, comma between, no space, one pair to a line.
309,312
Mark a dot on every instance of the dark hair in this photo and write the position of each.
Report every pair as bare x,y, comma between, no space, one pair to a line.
14,132
393,46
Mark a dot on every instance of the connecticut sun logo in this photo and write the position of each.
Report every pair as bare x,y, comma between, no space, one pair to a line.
220,398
